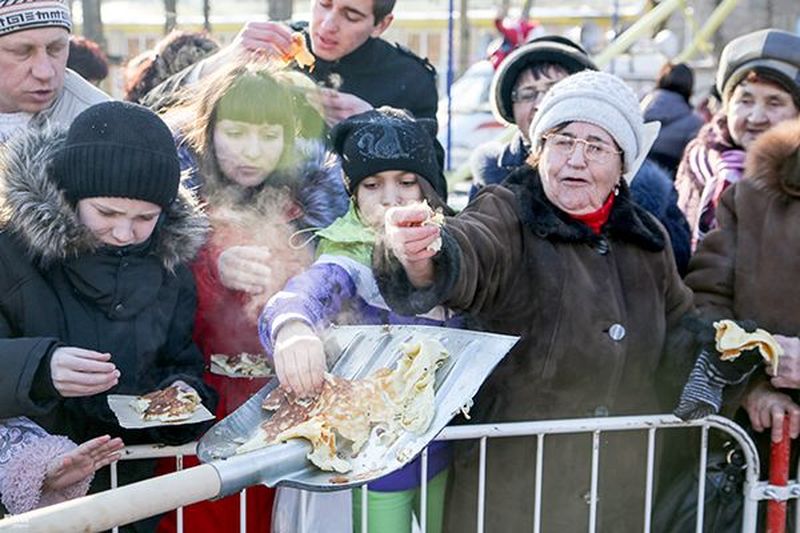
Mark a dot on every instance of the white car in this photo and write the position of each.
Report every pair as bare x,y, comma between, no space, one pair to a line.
472,122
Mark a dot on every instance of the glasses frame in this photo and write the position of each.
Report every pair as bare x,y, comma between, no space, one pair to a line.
536,92
603,155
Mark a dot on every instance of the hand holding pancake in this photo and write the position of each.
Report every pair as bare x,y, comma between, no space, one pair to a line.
299,359
263,37
413,240
734,357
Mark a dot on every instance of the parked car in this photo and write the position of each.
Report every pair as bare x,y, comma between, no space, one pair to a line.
471,122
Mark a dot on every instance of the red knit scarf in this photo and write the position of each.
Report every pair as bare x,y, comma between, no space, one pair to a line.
596,219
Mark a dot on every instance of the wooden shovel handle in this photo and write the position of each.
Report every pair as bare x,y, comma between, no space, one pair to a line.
129,503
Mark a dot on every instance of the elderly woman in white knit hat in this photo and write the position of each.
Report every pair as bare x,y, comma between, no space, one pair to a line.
560,255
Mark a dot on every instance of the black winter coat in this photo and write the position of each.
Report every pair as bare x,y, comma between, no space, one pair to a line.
679,125
383,74
59,287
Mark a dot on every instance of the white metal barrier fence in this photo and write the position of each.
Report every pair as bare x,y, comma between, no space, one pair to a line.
753,490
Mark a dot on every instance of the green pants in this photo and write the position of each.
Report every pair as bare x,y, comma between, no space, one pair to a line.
390,512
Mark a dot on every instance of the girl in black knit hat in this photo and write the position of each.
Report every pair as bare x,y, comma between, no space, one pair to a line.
98,299
389,160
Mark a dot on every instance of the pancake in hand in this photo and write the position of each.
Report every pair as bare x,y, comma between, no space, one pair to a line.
732,340
299,52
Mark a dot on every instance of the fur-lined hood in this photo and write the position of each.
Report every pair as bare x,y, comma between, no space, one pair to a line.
773,162
35,209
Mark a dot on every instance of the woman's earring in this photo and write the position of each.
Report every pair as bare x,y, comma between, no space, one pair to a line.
616,189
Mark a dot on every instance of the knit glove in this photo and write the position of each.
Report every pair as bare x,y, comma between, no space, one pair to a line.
702,394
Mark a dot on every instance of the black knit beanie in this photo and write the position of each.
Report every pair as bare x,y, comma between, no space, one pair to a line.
388,139
118,149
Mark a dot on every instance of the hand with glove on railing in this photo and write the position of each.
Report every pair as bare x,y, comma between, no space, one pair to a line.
738,348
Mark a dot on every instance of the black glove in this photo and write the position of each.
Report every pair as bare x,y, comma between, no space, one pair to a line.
702,394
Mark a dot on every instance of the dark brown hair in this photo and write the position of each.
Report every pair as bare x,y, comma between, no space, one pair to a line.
175,52
381,8
677,78
257,93
87,59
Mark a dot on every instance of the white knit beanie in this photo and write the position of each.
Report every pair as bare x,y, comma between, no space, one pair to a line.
603,100
19,15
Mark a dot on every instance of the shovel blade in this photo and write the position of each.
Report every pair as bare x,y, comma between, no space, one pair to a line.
359,351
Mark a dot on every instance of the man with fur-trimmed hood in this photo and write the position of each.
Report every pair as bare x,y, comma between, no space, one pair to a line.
95,234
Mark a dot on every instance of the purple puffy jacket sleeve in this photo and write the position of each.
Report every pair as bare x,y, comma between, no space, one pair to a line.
315,297
26,451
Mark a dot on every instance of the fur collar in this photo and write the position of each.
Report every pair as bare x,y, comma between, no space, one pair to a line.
33,207
627,222
773,163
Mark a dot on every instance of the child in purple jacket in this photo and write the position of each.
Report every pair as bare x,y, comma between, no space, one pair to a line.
389,160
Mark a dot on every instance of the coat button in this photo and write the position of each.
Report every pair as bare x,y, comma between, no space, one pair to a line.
616,332
601,410
119,308
601,247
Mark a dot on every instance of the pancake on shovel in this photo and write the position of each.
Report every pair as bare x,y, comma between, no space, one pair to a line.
339,422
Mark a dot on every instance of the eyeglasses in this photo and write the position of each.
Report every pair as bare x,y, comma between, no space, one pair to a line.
529,94
597,152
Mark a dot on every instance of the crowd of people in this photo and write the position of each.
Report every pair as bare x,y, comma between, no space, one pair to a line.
238,201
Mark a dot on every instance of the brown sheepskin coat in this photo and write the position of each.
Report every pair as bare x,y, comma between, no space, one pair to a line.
600,320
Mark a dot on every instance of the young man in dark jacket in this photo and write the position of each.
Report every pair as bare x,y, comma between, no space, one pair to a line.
361,70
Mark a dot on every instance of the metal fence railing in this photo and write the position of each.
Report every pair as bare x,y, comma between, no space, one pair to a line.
754,490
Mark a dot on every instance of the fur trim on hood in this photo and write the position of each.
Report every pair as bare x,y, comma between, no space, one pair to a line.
320,191
35,209
773,162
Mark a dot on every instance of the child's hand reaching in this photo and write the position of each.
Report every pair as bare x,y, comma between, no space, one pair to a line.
74,466
299,359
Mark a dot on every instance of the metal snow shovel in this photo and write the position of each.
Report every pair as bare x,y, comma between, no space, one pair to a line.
361,350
